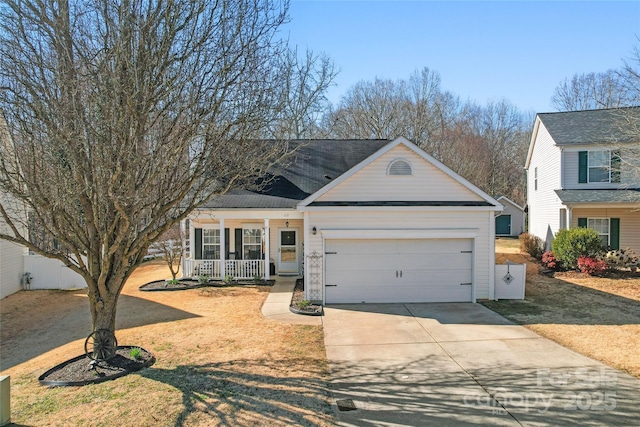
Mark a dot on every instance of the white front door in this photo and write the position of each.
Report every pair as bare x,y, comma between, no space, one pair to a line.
288,251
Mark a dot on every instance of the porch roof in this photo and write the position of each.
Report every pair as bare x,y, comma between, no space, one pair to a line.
572,197
249,200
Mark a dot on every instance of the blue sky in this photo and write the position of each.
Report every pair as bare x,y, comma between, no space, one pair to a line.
483,50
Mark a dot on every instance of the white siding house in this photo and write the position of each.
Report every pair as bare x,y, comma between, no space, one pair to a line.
580,173
394,225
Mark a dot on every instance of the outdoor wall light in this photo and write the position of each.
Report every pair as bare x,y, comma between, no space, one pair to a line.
286,224
314,230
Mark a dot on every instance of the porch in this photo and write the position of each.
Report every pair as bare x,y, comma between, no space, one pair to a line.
233,244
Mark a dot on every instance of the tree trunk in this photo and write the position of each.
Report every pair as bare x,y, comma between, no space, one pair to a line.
103,312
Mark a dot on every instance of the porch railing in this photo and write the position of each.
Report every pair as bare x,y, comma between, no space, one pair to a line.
239,268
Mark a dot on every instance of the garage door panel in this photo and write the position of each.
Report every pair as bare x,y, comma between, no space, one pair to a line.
412,270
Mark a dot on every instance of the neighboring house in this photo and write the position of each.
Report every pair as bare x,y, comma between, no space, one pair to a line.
578,176
361,220
509,222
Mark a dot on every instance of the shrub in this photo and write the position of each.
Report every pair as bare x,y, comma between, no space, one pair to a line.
571,244
549,260
591,266
203,278
621,258
533,245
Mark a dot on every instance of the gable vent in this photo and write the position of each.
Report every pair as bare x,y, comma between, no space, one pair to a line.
399,167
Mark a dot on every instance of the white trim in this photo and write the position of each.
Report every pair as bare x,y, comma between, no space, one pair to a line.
492,258
401,234
400,208
532,143
245,214
510,201
267,238
411,146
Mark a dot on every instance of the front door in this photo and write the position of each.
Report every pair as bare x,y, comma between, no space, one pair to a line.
503,225
288,251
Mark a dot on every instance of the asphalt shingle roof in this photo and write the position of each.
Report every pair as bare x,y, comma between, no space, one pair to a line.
314,164
592,126
599,196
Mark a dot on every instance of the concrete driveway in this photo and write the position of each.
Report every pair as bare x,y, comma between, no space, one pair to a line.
462,364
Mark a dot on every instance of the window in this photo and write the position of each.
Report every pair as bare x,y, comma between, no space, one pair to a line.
601,225
252,243
599,166
210,243
535,179
399,167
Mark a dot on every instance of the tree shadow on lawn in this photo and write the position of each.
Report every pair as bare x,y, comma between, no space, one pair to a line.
26,334
250,392
556,301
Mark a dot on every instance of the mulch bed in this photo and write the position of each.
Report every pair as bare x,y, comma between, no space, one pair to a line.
298,298
183,284
81,371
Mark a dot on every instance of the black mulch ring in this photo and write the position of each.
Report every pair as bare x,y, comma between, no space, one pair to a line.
80,371
298,307
183,284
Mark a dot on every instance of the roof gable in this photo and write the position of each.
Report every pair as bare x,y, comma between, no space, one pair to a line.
369,182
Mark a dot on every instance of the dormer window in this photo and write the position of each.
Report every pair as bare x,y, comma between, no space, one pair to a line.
399,167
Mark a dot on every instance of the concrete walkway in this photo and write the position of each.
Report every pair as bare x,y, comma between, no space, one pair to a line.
462,364
276,306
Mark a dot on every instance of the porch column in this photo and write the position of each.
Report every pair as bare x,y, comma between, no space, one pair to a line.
223,255
568,217
267,237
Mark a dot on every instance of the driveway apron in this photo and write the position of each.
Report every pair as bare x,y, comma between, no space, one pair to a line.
462,364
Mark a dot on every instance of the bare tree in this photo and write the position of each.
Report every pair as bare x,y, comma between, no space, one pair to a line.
306,80
171,245
591,91
125,116
486,145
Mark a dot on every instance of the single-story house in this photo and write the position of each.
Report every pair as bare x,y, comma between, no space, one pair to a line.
363,221
509,222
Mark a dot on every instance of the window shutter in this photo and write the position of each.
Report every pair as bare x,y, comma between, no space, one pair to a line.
582,222
615,166
582,166
614,233
198,243
238,247
226,243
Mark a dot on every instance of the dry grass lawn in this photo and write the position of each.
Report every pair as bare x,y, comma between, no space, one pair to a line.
219,361
597,317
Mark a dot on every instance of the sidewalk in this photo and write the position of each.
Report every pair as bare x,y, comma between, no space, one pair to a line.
276,306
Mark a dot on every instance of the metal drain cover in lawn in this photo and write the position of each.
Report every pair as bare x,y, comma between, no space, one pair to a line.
346,405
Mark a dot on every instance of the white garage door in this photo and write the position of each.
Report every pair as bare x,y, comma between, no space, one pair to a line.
412,270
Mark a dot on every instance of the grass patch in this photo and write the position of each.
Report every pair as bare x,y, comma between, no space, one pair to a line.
219,361
595,316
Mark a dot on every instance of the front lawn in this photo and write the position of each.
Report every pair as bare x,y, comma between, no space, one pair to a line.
597,317
219,361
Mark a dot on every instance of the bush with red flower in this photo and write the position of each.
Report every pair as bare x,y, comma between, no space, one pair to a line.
591,266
